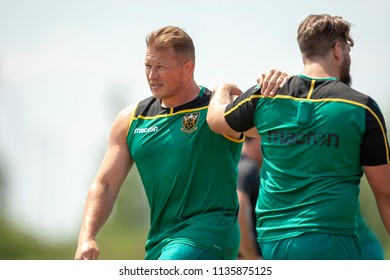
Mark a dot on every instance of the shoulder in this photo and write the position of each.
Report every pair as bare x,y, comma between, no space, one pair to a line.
127,112
359,98
123,120
343,91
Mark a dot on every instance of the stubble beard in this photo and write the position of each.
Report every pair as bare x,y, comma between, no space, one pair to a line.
345,75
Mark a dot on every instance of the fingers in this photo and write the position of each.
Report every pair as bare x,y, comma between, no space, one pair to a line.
260,79
283,79
95,254
235,91
271,81
232,88
89,255
87,251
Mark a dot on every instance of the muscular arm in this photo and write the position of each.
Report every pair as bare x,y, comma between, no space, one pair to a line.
379,179
105,187
223,94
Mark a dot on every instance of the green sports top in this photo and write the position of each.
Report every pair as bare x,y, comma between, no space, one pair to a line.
189,174
316,136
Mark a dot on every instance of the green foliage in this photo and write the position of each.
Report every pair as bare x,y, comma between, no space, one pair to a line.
123,236
115,243
18,245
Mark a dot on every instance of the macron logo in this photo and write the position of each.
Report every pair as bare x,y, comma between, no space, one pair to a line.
141,130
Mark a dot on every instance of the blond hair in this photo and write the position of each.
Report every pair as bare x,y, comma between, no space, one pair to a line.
172,36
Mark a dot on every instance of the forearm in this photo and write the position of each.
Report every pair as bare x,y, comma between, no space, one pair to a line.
379,179
99,205
383,203
248,246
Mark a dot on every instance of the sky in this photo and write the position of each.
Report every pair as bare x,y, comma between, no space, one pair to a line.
68,67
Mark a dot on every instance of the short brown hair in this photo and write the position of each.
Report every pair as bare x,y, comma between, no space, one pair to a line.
172,36
317,34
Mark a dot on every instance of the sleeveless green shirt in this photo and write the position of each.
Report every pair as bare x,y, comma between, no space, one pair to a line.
189,174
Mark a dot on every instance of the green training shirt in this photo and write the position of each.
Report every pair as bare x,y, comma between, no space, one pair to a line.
316,136
189,174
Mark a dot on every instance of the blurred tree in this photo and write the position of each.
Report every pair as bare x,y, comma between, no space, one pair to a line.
123,237
3,184
18,245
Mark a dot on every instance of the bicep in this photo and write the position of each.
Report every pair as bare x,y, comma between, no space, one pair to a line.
217,122
117,160
240,114
115,166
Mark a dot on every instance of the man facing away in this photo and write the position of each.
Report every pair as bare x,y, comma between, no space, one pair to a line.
318,136
248,191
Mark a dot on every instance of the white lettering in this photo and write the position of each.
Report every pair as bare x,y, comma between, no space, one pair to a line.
145,129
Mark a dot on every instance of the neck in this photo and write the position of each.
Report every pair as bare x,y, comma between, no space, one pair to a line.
320,69
185,95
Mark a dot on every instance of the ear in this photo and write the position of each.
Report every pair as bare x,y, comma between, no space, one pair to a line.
189,67
338,51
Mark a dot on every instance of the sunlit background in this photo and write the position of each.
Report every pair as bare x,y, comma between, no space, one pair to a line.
68,67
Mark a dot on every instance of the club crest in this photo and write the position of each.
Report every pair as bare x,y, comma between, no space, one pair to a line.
189,122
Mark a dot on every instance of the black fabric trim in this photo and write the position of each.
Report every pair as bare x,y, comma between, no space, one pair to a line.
151,106
373,150
242,118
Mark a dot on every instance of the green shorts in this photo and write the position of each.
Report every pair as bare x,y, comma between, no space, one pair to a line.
181,251
313,246
372,250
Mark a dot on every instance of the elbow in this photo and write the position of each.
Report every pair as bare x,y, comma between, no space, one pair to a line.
211,121
214,124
